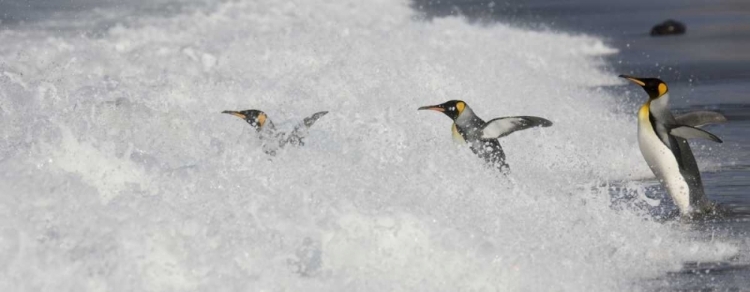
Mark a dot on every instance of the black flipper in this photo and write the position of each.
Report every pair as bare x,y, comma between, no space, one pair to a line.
700,118
501,127
300,131
689,170
309,121
689,132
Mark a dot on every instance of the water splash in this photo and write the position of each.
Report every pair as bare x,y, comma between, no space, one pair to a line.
119,172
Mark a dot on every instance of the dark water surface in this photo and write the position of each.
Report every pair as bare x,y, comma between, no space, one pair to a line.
706,68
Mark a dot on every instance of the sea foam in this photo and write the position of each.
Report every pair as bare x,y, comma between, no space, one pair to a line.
118,171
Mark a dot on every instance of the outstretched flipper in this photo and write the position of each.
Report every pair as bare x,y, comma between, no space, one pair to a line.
700,118
501,127
309,121
300,131
688,132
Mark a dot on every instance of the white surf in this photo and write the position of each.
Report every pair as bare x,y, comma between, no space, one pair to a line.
118,171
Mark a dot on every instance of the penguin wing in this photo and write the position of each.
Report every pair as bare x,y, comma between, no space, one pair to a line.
309,121
301,130
501,127
688,132
700,118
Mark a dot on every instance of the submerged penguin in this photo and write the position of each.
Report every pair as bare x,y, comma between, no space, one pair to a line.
662,139
482,136
271,138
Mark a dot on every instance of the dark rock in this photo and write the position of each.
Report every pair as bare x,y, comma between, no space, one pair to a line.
669,27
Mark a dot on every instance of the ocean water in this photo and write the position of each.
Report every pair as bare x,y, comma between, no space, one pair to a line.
118,171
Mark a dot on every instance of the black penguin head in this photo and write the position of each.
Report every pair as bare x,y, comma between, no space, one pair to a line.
451,108
257,119
653,86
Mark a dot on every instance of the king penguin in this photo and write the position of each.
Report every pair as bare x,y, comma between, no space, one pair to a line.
482,136
662,139
271,138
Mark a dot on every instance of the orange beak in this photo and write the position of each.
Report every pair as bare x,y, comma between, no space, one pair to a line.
633,79
432,107
234,113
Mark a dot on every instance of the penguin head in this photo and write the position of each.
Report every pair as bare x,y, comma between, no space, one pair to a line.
653,86
451,108
257,119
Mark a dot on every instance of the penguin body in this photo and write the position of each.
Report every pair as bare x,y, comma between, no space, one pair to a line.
469,128
662,139
661,160
272,139
481,136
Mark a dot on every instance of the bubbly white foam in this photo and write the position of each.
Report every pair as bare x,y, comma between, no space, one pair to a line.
120,173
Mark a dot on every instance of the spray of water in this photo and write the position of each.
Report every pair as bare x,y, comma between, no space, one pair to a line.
119,172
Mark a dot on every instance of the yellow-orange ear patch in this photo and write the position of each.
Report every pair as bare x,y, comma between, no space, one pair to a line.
261,119
662,88
460,106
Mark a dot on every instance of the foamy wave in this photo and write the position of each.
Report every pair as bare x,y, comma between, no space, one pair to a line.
120,173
